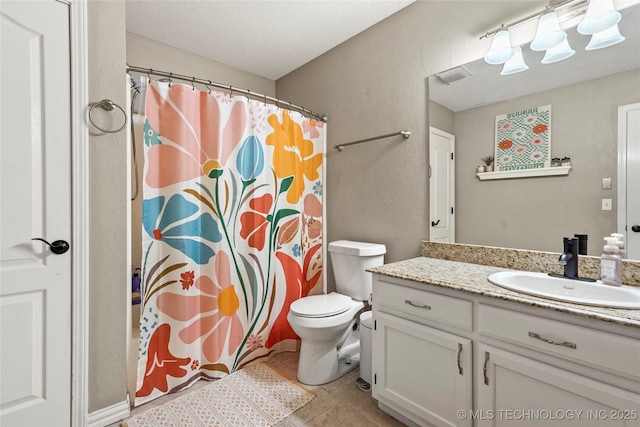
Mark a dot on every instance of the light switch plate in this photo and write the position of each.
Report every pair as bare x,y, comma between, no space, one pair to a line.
606,183
606,204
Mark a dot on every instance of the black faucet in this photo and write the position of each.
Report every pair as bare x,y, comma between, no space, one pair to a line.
569,258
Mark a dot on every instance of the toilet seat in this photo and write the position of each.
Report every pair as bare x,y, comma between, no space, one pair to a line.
321,305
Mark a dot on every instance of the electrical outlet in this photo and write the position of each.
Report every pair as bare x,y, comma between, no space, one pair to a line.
606,204
606,183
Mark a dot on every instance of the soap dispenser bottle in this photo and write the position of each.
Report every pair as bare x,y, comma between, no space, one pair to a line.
611,264
619,243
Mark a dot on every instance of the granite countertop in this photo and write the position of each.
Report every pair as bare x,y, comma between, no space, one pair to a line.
472,278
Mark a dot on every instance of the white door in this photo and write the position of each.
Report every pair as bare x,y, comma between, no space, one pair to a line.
629,177
35,202
441,186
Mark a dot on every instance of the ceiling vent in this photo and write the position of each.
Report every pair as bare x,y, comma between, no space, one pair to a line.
454,75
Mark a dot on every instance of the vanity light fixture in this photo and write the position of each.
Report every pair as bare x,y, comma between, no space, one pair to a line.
605,38
558,53
600,16
500,50
600,21
516,64
549,33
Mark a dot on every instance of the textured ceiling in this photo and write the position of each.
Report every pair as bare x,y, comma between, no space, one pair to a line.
264,37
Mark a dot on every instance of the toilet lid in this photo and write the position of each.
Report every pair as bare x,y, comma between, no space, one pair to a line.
321,305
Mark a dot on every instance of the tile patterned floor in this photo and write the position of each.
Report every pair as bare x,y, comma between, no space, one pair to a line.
339,403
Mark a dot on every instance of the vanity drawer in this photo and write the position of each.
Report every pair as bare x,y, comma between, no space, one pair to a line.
427,305
600,349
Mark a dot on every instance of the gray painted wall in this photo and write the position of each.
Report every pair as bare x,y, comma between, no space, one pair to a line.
143,52
108,271
376,83
535,213
441,117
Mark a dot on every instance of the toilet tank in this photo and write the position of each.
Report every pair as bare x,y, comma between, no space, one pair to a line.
350,260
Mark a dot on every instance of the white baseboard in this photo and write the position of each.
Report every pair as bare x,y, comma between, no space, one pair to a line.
109,415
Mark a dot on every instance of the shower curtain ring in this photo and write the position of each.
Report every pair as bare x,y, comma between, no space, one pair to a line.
170,80
265,100
193,83
230,91
209,87
149,74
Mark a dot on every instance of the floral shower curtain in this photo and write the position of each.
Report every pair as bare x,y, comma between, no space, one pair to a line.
232,219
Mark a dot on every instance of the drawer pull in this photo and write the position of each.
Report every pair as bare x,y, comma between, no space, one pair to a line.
412,304
548,341
459,361
484,368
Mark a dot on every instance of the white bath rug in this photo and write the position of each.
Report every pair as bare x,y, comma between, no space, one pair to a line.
256,395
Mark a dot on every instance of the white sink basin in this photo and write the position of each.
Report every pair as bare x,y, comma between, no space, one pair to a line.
561,289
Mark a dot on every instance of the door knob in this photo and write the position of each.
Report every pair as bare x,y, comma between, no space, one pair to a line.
434,223
58,247
635,228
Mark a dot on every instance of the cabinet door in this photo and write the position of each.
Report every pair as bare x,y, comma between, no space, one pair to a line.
421,372
515,390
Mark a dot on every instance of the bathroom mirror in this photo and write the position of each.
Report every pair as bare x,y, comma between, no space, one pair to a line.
584,92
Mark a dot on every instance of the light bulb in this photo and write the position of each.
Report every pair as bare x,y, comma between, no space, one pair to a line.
501,50
600,16
516,64
558,53
605,38
549,33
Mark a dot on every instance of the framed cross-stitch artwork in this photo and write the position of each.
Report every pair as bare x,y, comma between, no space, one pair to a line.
523,139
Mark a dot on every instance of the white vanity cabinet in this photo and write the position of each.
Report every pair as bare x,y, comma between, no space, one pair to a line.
419,371
516,390
509,383
444,357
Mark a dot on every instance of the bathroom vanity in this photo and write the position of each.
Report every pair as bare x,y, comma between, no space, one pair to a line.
452,349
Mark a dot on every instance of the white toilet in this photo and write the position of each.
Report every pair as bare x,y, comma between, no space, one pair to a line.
328,324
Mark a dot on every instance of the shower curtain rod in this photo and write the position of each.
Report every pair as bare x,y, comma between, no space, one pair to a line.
231,89
405,134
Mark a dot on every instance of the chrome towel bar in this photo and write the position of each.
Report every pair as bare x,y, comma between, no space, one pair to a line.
405,134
